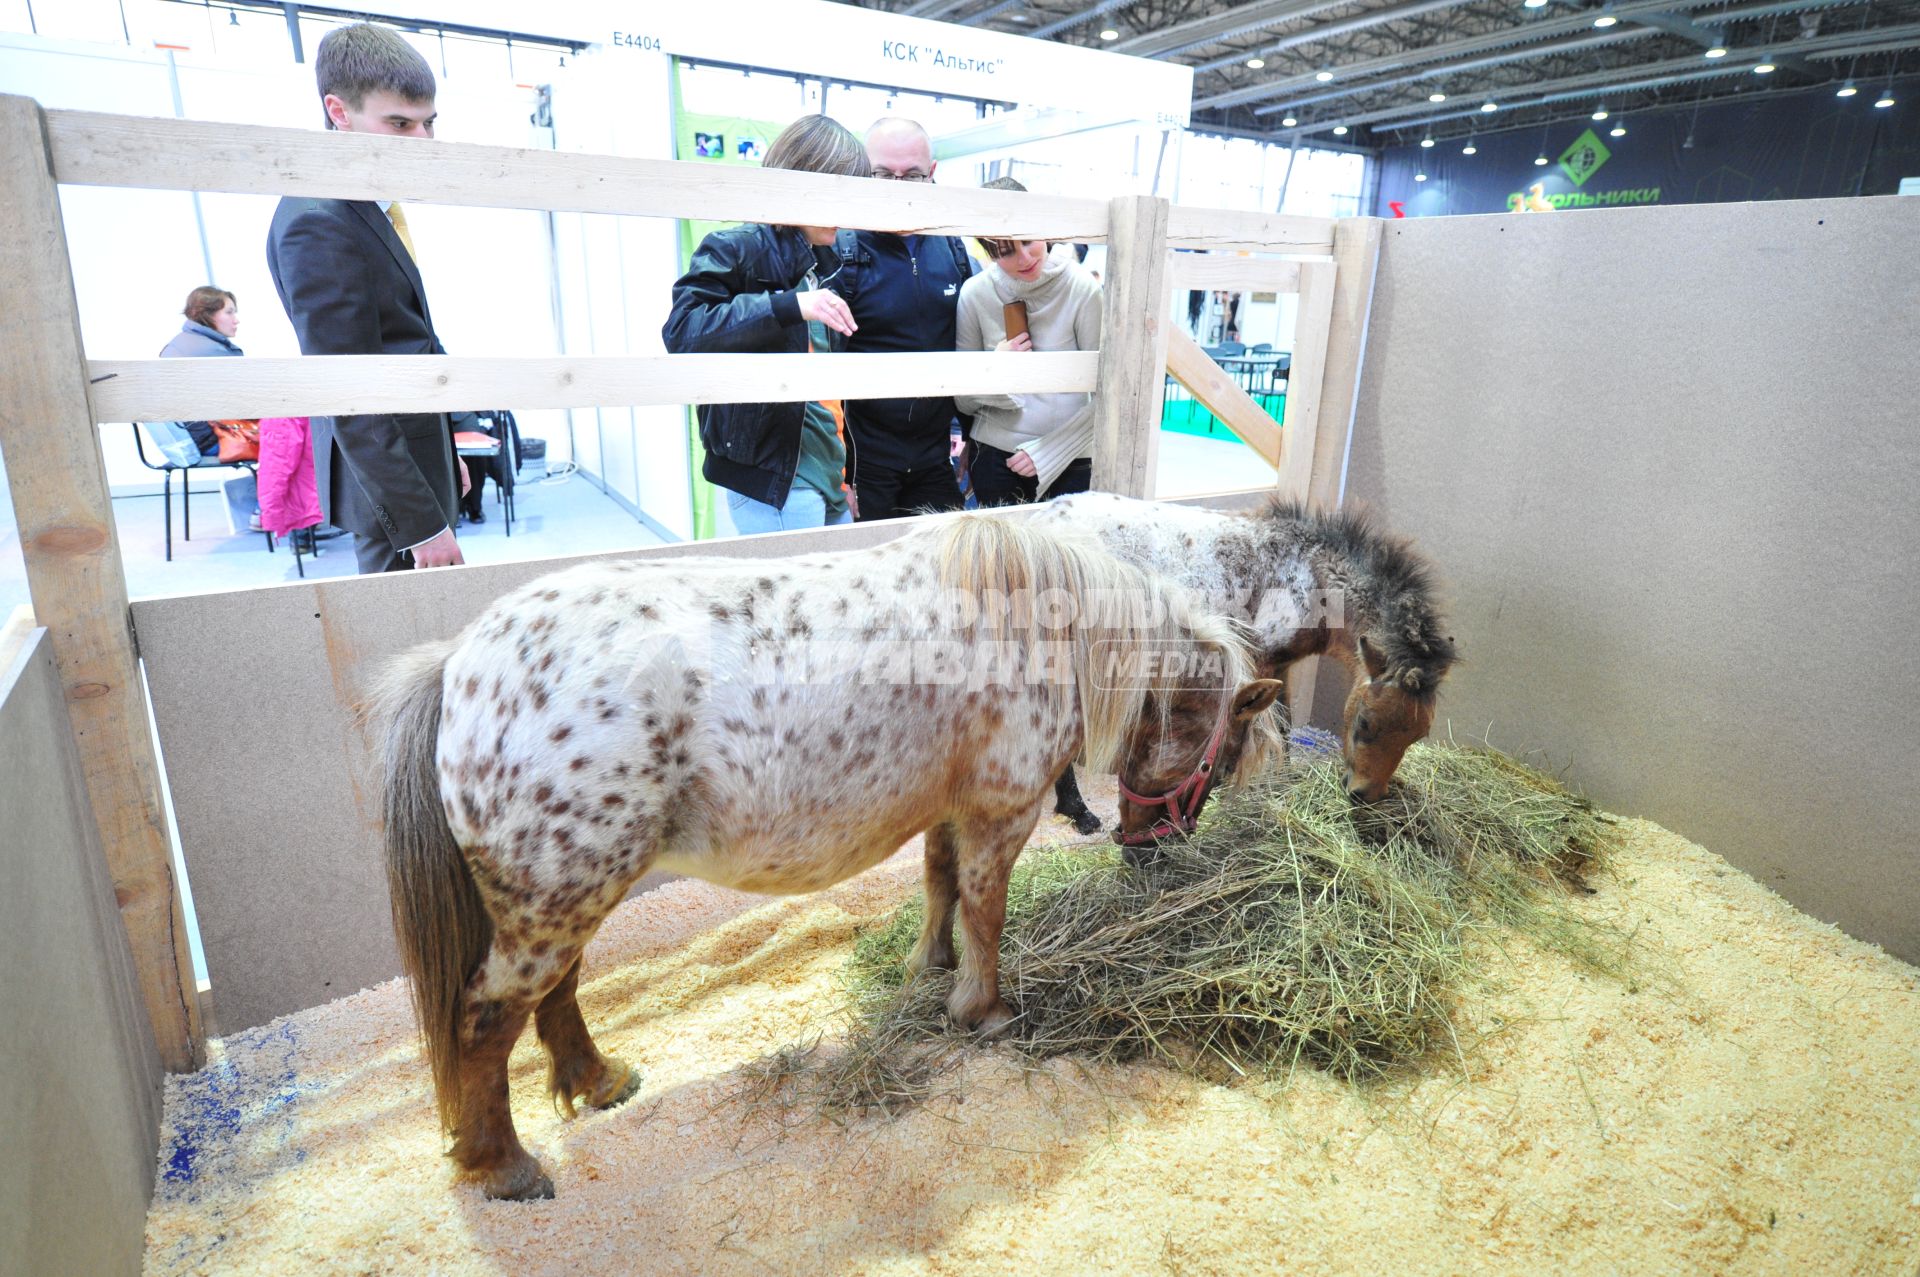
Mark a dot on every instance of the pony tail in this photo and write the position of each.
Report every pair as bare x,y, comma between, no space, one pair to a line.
439,922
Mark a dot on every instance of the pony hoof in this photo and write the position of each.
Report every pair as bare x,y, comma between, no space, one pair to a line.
1087,823
622,1084
993,1023
522,1182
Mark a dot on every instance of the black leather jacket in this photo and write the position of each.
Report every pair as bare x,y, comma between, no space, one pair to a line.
739,297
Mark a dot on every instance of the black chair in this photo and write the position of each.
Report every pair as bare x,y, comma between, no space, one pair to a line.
499,462
179,453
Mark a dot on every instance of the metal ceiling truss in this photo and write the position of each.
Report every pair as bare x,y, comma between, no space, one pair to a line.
1384,58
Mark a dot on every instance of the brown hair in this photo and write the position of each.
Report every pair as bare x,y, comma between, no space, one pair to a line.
206,301
366,58
998,248
817,144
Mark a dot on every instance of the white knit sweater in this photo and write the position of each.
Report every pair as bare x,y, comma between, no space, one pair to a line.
1063,313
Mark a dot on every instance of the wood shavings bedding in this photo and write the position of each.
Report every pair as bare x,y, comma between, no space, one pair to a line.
1761,1115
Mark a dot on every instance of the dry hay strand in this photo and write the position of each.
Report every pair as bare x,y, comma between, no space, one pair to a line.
1291,929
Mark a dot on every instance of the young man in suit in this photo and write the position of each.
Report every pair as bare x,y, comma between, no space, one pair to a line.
346,275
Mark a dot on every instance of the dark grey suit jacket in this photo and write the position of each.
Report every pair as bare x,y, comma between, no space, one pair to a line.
351,288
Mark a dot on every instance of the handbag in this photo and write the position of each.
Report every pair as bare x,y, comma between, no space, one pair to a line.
239,440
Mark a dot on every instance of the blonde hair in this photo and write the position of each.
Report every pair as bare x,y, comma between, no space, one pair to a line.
817,144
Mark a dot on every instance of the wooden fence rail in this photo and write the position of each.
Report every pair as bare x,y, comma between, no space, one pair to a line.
51,396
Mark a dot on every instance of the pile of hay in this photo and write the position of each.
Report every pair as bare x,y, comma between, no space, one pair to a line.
1292,928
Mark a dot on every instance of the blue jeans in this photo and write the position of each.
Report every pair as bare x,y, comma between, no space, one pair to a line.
805,508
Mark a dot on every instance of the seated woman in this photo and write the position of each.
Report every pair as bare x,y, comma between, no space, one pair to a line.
763,288
1029,447
213,317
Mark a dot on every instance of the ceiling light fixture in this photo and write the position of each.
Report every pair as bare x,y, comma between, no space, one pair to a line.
1619,129
1287,122
1339,130
1254,64
1536,4
1420,177
1540,161
1489,107
1846,90
1436,96
1717,51
1323,76
1763,67
1605,20
1426,143
1109,34
1886,97
1469,148
1600,112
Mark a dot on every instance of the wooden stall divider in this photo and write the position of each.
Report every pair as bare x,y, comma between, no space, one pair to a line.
195,390
1222,396
1133,347
58,480
1356,258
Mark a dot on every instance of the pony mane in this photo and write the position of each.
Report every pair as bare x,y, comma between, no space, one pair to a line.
1122,612
1398,579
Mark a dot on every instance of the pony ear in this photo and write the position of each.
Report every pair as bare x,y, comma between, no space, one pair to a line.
1376,660
1255,697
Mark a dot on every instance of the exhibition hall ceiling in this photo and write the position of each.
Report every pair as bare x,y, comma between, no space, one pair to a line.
1381,72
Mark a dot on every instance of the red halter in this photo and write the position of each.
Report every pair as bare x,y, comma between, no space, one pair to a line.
1183,802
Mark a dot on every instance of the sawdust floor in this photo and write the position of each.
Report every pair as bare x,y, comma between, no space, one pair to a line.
1761,1113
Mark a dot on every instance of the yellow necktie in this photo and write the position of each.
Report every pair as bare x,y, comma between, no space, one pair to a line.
399,220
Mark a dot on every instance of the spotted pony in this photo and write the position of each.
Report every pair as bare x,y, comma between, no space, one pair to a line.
1306,582
774,726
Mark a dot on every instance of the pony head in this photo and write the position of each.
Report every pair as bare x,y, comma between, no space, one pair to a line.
1203,723
1386,712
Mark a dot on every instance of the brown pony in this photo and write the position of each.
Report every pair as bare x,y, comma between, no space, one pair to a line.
1305,582
771,726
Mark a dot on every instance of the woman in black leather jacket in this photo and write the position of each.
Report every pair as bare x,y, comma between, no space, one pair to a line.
758,288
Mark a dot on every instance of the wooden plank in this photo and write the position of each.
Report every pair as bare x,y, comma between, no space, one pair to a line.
93,149
1211,384
74,576
1133,348
1356,259
1245,274
1189,227
206,389
1304,378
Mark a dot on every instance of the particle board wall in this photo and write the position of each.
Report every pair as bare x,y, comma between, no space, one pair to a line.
1665,459
275,793
80,1099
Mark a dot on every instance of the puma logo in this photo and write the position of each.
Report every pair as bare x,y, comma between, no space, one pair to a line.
951,290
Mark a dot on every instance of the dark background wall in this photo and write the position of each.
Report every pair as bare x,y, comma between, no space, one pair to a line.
1778,146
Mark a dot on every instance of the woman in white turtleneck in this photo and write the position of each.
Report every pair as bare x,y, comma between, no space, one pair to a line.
1029,447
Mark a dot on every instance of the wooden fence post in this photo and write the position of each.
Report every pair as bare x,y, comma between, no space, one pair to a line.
1133,348
79,588
1356,258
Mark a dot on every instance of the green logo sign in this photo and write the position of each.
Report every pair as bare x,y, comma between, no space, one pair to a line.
1584,158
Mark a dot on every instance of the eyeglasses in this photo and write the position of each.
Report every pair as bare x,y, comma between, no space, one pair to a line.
912,175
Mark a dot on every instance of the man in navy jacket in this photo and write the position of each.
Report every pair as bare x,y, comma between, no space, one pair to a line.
904,291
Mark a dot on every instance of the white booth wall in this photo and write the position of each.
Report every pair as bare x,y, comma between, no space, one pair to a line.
491,274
